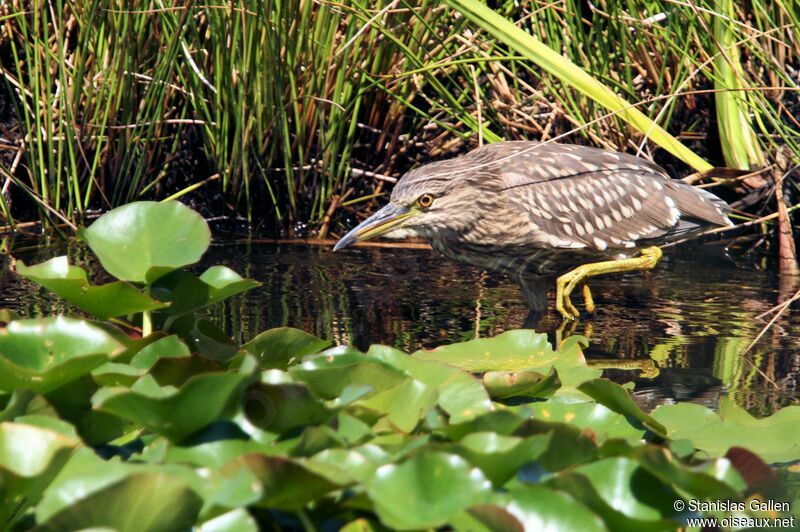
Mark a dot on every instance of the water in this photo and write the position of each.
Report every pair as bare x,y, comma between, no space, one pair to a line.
695,315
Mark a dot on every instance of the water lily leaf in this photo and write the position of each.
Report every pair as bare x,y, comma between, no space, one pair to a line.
169,346
505,384
328,375
622,492
775,438
345,466
518,350
72,284
137,237
461,395
238,520
277,348
286,484
405,404
30,457
617,398
170,504
176,414
499,457
281,407
569,446
714,480
43,354
602,422
426,490
188,293
204,337
536,508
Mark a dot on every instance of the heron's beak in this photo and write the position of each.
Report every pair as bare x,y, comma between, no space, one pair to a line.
388,218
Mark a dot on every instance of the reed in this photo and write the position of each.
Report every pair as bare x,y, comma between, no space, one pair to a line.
294,113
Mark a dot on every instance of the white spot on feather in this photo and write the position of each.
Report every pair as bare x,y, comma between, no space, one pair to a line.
600,243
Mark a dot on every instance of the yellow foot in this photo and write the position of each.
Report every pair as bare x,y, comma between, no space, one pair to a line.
565,284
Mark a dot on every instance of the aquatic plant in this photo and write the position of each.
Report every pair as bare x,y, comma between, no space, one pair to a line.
107,424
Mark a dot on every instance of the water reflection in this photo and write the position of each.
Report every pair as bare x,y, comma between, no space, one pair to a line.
695,315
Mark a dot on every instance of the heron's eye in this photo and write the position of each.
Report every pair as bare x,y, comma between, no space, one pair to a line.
425,201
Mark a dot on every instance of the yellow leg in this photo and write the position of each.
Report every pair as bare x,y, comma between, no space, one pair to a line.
647,260
588,300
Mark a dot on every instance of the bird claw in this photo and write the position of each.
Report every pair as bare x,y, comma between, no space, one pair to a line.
564,287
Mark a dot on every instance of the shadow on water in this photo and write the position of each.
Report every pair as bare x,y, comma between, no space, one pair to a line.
693,317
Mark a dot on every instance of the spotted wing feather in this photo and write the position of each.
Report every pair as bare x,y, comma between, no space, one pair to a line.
584,198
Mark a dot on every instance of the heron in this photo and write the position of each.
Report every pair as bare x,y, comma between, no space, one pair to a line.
535,210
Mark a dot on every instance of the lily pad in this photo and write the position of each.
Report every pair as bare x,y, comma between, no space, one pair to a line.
537,508
518,350
327,375
176,413
169,346
460,395
238,520
277,348
775,438
405,404
169,502
282,407
72,284
506,384
426,490
286,484
499,457
136,238
30,457
43,354
188,293
622,492
617,398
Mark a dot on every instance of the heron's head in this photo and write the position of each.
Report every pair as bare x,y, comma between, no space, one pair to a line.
428,200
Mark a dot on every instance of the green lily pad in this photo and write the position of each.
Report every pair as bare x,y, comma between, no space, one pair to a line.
30,457
188,293
345,466
536,508
43,354
327,375
617,398
286,484
426,490
204,337
506,384
72,284
136,238
169,502
592,417
775,438
277,348
176,414
405,404
520,350
622,492
460,395
281,407
169,346
499,457
238,520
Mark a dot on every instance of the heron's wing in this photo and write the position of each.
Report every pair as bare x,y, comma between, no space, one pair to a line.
602,200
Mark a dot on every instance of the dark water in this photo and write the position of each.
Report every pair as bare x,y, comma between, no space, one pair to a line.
693,317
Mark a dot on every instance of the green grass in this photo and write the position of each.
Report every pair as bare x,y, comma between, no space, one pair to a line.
279,101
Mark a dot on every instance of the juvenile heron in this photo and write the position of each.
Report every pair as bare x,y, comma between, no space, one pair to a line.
533,210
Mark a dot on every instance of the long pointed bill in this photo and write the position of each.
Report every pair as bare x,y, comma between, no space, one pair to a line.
388,218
